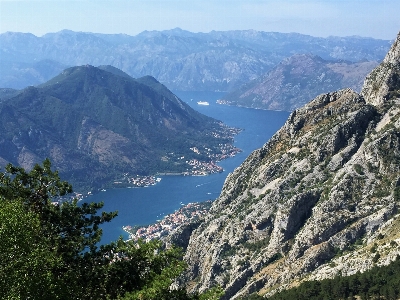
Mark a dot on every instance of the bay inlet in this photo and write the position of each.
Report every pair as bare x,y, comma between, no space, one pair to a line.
146,205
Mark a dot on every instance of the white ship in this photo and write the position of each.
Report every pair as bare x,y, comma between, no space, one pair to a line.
203,103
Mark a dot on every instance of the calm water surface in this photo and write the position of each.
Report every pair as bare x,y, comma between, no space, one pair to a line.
142,206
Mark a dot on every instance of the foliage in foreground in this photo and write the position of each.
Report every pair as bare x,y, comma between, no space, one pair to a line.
50,251
377,283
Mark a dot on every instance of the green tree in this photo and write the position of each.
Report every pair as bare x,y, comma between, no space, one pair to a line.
50,251
26,261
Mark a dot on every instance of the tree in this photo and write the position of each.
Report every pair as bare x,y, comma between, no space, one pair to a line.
51,250
26,262
68,231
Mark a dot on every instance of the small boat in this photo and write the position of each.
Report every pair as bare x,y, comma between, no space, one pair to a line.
203,103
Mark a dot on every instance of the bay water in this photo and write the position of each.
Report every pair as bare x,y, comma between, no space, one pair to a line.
146,205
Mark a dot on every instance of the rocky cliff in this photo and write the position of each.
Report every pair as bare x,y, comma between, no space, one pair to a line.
384,82
320,198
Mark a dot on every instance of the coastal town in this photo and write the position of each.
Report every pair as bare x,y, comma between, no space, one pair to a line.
223,101
195,167
199,168
169,223
205,164
140,181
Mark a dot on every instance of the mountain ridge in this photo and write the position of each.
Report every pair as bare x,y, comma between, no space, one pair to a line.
297,79
215,61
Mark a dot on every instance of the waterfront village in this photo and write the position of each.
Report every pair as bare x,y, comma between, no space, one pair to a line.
169,223
195,167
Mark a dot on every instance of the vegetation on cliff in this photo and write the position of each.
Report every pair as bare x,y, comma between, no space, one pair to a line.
381,282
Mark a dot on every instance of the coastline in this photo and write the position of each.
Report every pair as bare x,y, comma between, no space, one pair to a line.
192,166
169,224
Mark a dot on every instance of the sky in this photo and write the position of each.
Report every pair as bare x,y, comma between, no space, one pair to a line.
367,18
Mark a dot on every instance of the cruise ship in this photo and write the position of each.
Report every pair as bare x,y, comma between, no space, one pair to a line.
203,103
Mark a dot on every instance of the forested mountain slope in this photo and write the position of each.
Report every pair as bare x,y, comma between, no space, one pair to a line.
97,125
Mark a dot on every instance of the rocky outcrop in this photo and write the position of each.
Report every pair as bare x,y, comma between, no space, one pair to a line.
384,82
181,236
311,203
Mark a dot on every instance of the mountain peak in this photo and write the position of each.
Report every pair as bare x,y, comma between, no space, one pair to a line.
383,83
296,80
95,124
114,71
393,56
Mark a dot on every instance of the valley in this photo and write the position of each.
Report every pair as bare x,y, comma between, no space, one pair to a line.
144,206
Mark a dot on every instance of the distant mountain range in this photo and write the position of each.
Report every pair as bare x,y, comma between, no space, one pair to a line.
182,60
298,79
96,124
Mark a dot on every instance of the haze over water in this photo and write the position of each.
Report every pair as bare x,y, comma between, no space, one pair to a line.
142,206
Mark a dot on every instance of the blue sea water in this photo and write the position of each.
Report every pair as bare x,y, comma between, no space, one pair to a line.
142,206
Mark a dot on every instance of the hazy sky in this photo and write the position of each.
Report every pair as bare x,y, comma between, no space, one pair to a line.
369,18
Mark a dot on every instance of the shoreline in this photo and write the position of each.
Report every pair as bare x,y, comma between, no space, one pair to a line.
195,167
169,224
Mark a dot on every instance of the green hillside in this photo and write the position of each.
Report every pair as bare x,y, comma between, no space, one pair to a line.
96,125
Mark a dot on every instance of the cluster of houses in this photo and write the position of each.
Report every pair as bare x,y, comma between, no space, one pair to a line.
166,226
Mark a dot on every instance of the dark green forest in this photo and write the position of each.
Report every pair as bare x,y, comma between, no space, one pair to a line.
377,283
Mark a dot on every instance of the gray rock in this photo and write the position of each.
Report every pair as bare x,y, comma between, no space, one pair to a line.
312,202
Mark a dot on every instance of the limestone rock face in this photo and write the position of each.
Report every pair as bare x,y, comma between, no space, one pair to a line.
311,202
384,82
